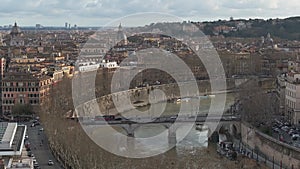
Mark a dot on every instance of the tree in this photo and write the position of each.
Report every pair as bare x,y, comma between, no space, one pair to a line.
257,107
22,109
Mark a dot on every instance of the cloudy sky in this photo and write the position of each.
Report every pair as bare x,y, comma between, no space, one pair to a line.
101,12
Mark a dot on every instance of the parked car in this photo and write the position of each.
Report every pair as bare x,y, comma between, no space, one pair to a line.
295,136
285,128
41,129
275,129
287,124
291,132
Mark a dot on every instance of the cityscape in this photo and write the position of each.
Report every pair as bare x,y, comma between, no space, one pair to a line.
144,90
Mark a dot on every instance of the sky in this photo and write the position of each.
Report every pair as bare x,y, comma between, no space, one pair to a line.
102,12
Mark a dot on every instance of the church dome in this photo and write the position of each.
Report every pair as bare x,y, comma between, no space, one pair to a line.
15,30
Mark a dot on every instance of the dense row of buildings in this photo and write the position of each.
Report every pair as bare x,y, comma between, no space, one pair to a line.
28,71
32,62
288,87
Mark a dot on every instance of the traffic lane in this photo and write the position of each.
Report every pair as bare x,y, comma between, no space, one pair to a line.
41,152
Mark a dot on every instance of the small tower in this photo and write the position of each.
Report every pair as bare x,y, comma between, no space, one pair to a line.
121,36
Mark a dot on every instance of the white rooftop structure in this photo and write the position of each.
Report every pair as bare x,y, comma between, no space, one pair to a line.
12,138
9,131
106,64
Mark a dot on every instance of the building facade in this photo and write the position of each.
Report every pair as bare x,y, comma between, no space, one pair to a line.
292,98
23,88
2,70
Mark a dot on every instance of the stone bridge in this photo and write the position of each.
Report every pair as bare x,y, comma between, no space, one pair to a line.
229,123
233,127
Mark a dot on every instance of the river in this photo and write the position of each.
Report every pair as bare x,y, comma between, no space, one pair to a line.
152,139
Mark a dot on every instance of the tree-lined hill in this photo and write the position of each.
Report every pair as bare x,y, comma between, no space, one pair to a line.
288,28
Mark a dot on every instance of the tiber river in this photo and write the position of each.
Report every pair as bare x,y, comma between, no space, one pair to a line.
108,139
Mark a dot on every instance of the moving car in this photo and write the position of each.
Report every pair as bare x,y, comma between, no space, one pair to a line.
50,162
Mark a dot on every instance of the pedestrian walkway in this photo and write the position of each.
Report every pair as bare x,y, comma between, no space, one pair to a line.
258,156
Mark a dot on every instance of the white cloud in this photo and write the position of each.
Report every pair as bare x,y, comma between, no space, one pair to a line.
98,12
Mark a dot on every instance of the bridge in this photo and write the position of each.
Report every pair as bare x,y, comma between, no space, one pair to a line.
214,123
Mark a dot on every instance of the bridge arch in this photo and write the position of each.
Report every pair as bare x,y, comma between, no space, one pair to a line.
225,127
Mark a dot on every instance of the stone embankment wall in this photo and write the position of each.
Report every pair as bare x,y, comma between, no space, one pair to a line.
270,147
141,95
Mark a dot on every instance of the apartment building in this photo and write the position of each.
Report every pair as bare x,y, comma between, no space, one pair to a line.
23,88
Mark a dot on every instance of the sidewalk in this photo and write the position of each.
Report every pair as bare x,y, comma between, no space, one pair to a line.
245,150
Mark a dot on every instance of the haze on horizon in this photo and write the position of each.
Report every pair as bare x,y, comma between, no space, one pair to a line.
101,12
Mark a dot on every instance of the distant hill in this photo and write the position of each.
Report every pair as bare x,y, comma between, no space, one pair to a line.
288,28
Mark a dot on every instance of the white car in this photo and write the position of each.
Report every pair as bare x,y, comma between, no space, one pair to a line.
50,162
173,117
41,129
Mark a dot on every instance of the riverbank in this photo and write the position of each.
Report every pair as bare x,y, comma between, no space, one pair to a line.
76,150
